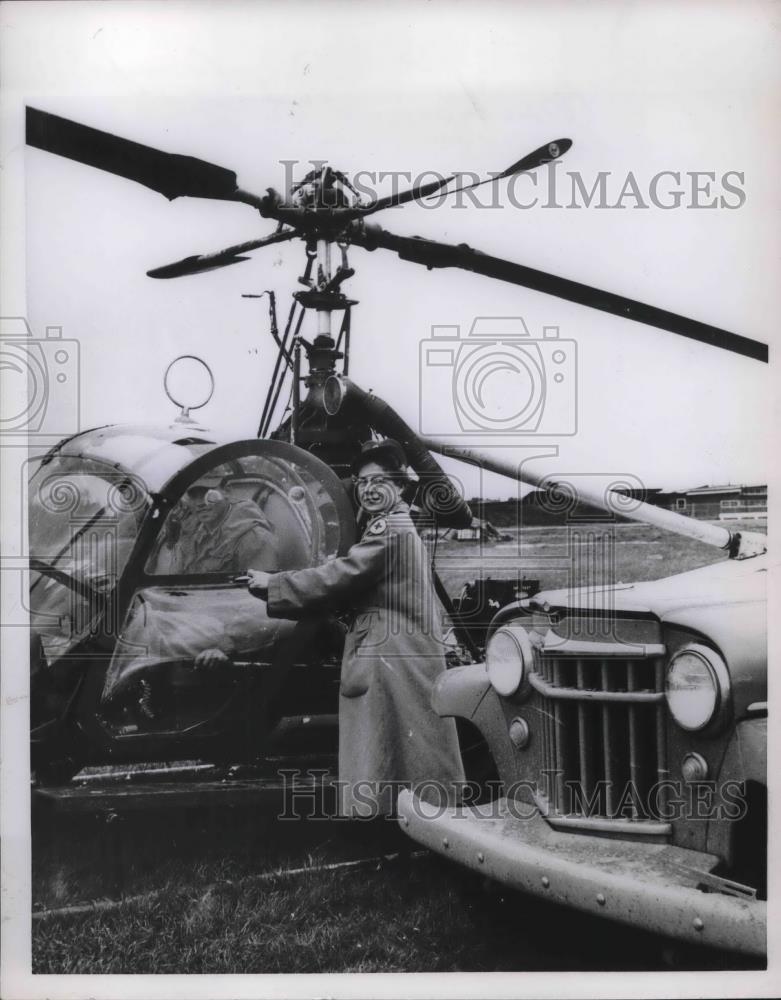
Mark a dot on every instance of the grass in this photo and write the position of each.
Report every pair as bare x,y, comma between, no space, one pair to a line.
578,556
428,916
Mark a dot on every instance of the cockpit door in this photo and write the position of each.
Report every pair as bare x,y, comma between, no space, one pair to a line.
249,505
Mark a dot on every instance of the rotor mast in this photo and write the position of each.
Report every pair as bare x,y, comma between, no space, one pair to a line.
323,279
320,200
317,204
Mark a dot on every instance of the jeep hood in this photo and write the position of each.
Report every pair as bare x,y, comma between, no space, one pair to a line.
726,603
727,582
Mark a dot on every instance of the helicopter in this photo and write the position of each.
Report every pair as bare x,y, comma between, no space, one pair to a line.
93,669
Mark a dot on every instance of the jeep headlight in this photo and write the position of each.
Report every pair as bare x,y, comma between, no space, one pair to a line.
697,686
508,659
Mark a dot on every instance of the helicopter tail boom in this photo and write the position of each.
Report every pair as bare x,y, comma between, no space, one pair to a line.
740,545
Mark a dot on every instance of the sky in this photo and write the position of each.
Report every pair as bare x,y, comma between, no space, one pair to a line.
416,87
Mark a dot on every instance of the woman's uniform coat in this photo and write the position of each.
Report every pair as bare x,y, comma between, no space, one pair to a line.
393,654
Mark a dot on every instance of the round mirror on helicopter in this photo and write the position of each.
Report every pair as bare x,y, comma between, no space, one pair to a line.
189,384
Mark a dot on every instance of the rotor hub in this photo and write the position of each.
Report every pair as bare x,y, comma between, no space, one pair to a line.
324,188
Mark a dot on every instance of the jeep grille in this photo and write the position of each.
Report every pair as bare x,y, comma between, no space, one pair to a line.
603,731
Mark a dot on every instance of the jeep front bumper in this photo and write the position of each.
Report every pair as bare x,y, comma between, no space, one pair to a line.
653,886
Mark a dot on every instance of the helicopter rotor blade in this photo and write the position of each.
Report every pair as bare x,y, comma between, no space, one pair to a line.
222,258
192,265
402,197
432,254
170,174
545,154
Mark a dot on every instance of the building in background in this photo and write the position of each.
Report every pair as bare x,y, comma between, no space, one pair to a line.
723,503
707,503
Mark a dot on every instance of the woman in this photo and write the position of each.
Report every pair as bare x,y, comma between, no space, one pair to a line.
389,735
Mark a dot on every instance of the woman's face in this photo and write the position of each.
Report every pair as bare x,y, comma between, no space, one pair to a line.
377,492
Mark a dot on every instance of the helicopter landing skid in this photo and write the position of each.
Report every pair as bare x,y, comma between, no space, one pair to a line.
263,787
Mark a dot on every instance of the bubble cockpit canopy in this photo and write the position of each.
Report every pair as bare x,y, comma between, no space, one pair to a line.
165,508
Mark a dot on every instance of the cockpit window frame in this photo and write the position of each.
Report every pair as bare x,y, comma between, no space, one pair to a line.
136,577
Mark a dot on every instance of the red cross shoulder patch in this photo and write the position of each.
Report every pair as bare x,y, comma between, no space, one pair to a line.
377,527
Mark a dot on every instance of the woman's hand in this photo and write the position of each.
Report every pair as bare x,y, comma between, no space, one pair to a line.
258,583
210,659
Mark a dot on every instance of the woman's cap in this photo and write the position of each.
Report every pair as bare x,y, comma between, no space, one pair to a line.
386,451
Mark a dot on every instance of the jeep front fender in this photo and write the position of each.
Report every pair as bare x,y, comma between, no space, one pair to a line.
466,693
459,691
